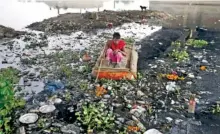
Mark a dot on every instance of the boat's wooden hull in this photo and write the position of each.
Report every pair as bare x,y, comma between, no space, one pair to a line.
129,71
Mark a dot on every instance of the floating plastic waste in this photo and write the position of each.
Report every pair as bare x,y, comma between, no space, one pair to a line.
47,108
28,118
54,85
192,104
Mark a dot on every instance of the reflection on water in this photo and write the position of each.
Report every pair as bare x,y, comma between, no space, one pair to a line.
191,15
20,13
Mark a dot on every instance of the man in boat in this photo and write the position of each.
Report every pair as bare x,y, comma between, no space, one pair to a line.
115,50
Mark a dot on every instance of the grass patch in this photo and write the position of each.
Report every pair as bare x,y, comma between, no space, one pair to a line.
196,43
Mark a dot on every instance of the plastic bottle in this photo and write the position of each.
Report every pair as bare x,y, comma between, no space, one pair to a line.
192,104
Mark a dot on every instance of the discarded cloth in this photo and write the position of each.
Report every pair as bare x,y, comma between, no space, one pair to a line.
53,86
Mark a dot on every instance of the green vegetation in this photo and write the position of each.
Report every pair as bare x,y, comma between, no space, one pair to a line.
122,131
9,74
150,110
8,102
66,70
179,55
177,44
129,41
196,43
83,85
64,57
67,96
96,116
41,122
216,109
139,75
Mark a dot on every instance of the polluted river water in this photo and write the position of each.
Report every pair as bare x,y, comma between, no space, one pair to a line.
152,42
206,19
21,13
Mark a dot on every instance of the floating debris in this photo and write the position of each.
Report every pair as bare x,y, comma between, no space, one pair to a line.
86,57
47,108
28,118
100,91
192,104
152,131
203,68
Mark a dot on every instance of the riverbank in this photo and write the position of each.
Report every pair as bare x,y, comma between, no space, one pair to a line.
6,32
67,23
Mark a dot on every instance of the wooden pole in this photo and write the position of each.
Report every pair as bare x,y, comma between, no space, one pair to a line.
100,65
98,71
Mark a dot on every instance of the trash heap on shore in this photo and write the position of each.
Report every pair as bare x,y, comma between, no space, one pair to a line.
68,23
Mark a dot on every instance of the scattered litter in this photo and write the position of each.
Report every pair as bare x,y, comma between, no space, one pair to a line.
171,86
190,75
28,118
169,119
203,68
53,86
47,108
152,131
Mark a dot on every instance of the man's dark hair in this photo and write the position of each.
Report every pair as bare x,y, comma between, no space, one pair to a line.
116,35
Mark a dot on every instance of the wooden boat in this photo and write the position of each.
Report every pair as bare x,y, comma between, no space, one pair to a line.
128,69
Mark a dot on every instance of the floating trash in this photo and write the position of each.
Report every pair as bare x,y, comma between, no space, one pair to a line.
57,101
110,25
152,131
203,68
212,42
86,57
100,91
81,68
171,86
28,118
192,104
53,86
47,108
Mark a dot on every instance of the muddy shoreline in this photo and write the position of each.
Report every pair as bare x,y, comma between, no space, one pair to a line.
67,23
7,32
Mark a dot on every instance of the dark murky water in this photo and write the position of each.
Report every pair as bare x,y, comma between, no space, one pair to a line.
210,82
191,15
